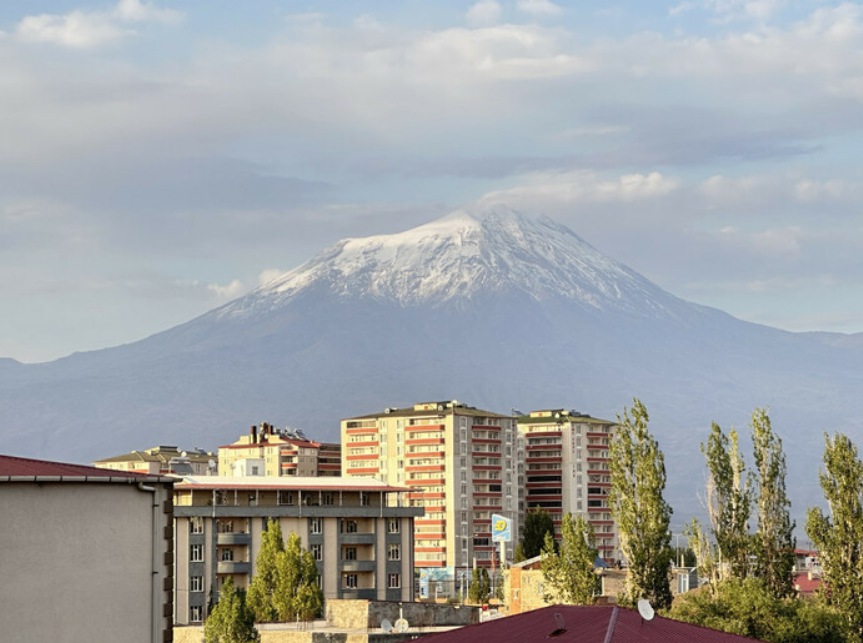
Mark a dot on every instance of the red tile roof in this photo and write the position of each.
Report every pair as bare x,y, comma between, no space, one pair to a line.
803,584
582,624
23,468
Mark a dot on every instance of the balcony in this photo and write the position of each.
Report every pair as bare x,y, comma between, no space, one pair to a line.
358,539
233,567
233,539
358,565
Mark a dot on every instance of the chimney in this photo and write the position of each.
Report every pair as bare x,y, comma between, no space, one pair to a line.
254,433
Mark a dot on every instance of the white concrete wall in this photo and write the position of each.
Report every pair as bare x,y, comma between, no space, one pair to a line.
76,563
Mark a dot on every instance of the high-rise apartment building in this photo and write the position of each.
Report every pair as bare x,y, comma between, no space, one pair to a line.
462,465
270,452
566,470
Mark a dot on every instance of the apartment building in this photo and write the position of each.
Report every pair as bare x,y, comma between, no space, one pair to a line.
360,532
566,470
462,465
162,460
270,452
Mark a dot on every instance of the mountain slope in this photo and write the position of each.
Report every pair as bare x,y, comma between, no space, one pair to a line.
494,308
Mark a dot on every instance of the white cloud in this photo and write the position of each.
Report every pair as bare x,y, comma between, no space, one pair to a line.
784,242
483,14
91,29
539,7
833,189
227,292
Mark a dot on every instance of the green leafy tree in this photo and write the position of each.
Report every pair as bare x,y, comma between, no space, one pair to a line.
749,608
839,537
729,502
773,544
699,543
640,510
231,620
537,523
569,573
480,586
263,586
519,556
297,593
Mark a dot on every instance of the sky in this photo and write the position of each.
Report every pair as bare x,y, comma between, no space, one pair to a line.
158,159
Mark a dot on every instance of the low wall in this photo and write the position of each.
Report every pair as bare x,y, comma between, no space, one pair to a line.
354,614
196,635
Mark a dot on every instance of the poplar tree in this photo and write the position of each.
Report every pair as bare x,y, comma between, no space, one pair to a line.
839,536
729,502
263,586
640,510
773,544
231,620
570,573
537,523
297,594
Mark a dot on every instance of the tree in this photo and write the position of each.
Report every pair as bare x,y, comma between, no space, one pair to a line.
263,586
839,537
519,556
537,523
569,573
297,593
231,620
640,510
480,586
773,545
749,608
729,501
699,543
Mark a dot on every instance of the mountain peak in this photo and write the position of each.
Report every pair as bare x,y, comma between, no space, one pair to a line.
467,253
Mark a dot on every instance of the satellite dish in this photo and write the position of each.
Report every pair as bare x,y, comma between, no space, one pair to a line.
386,626
645,609
211,464
401,626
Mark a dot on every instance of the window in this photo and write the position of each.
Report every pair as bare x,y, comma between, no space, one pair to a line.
317,525
224,526
317,550
365,499
197,554
328,499
196,584
349,526
350,553
394,581
350,581
255,471
393,526
286,497
227,555
394,552
196,613
196,524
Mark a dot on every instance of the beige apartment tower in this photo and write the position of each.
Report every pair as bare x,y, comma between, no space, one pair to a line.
270,452
566,470
462,465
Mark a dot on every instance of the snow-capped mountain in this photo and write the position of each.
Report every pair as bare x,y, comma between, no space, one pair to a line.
494,308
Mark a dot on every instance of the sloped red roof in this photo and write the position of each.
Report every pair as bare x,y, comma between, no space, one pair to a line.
22,468
803,584
585,624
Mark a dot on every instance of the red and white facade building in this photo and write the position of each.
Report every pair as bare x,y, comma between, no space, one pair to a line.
462,465
567,470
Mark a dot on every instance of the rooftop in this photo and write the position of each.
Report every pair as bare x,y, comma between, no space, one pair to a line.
426,409
15,469
559,416
286,482
585,624
160,454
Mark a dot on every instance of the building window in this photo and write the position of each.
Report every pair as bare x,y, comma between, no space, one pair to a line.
196,584
196,524
317,550
393,526
350,553
394,552
328,499
349,526
317,525
394,581
350,581
286,497
197,554
365,499
196,613
227,555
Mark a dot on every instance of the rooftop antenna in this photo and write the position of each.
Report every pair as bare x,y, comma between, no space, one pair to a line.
645,609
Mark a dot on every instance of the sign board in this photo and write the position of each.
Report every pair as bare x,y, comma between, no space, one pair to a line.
424,584
501,529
